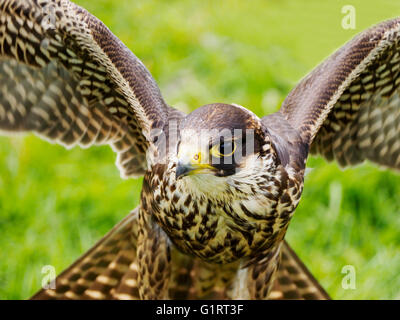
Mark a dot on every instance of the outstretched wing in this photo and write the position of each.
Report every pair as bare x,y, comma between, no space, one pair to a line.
67,78
109,270
348,108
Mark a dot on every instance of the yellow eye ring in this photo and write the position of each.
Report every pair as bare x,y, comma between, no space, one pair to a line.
215,150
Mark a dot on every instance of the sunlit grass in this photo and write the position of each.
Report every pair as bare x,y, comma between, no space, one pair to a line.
54,203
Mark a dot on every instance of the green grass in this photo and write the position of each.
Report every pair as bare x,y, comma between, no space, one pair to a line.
54,203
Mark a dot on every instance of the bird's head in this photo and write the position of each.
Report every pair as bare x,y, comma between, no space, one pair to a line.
218,142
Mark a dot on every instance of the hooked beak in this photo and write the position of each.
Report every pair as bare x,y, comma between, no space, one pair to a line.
189,168
183,169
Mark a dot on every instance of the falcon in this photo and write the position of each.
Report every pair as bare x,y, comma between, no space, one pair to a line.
220,184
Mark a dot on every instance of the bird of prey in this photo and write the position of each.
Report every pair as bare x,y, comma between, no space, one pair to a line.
220,184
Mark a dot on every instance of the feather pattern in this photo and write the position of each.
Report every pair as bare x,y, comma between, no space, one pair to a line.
67,78
348,108
109,270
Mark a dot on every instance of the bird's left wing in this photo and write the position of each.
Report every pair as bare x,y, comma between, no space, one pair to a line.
67,78
348,108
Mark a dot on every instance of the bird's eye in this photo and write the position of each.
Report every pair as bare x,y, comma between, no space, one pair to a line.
224,149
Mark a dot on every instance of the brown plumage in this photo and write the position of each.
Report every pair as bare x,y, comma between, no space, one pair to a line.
109,270
220,184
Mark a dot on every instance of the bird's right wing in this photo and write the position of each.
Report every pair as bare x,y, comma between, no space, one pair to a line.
109,270
67,78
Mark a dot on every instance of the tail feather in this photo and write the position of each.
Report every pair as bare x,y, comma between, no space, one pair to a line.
109,271
294,280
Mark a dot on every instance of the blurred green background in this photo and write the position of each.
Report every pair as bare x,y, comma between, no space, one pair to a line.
54,203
